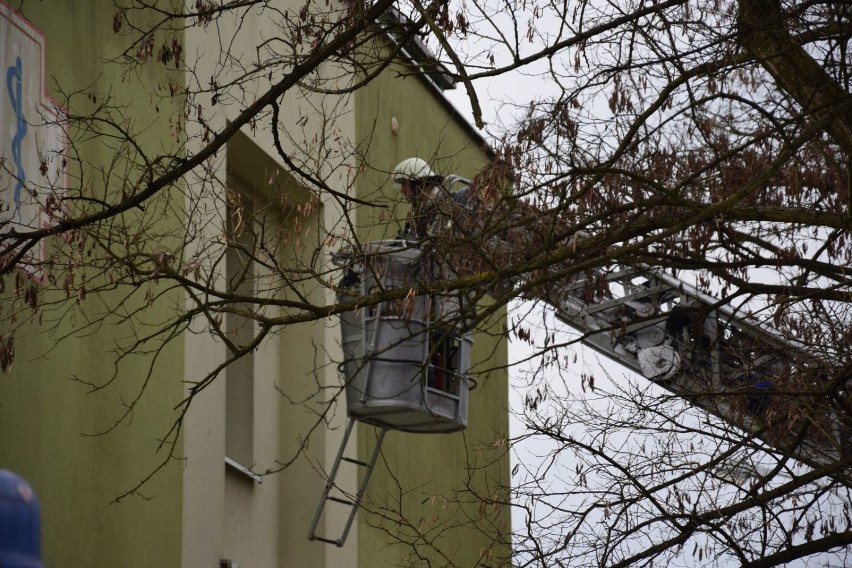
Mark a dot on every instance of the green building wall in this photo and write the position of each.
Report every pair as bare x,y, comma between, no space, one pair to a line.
50,414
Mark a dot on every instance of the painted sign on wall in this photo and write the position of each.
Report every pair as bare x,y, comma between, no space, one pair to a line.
32,140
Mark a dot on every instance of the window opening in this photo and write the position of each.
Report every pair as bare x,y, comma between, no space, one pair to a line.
239,375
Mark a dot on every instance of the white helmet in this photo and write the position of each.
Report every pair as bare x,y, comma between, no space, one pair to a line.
413,168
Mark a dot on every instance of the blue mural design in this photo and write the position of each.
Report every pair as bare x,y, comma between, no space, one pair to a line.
13,85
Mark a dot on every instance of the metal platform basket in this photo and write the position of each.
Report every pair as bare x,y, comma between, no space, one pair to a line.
406,360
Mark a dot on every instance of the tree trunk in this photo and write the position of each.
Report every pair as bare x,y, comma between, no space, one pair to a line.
766,39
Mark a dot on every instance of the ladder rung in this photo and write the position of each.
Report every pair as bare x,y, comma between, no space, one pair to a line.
339,500
357,462
328,540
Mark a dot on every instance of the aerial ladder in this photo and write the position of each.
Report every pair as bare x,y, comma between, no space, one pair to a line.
693,345
698,347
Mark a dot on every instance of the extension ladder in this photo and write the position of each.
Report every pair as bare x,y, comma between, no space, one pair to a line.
343,498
